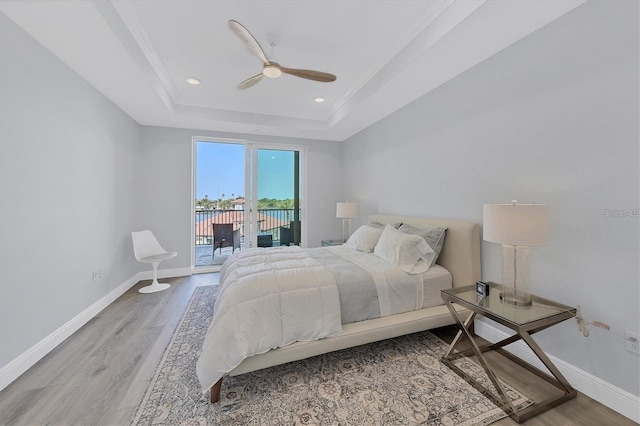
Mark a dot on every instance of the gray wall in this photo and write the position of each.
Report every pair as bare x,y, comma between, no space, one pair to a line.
166,156
68,176
552,119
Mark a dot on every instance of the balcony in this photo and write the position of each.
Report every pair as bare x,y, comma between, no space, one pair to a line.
274,229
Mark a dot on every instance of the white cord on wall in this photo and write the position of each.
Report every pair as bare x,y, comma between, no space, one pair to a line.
583,326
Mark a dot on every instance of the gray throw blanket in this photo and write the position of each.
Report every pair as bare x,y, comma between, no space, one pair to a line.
357,290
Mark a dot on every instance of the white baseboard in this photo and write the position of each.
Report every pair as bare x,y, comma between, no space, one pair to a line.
165,273
613,397
26,360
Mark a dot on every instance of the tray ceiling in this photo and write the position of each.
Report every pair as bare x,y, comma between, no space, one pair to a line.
385,54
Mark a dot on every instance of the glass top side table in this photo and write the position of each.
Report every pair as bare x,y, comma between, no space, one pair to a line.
524,321
328,243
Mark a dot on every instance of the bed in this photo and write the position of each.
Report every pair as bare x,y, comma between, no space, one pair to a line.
459,259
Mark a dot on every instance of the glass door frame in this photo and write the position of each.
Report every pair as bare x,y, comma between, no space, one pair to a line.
251,182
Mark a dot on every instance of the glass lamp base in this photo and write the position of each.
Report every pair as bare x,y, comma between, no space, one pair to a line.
346,229
515,264
513,298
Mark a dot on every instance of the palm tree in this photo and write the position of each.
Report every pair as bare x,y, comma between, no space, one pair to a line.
205,202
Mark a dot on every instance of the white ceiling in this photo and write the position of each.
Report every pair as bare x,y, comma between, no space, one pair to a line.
385,54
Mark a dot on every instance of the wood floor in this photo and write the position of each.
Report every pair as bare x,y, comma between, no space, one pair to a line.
98,375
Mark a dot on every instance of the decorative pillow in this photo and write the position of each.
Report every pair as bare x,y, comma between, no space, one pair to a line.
433,236
364,239
410,253
381,226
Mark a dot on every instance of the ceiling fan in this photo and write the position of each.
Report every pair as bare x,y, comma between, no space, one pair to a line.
271,69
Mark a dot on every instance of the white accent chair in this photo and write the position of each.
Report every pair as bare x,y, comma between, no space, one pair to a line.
147,250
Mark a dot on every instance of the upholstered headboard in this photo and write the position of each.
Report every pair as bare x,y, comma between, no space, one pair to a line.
461,251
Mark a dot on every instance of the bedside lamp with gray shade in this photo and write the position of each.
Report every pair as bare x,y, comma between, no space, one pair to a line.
516,227
346,211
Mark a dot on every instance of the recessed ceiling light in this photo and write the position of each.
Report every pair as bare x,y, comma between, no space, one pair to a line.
319,99
193,81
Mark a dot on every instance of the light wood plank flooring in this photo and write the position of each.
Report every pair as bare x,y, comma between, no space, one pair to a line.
99,375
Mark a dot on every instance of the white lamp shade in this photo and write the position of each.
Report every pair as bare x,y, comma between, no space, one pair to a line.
516,224
347,210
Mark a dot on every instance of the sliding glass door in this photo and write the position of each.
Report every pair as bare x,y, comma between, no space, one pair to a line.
275,197
246,195
219,201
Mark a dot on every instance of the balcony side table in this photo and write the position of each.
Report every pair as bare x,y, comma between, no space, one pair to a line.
525,321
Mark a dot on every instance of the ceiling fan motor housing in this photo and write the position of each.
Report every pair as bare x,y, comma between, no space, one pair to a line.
272,70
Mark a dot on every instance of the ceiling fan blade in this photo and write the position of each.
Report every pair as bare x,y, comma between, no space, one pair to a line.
310,74
248,40
250,81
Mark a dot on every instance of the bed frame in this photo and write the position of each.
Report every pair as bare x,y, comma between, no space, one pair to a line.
460,255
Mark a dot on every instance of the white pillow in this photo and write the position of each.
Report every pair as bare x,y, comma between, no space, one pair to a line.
410,253
364,239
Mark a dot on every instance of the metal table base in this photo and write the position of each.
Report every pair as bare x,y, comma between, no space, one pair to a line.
522,333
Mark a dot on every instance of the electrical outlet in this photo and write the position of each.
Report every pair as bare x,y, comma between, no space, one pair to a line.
632,346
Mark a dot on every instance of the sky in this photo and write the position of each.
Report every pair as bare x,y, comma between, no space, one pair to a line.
220,170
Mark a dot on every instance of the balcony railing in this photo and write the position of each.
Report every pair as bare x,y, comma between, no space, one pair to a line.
274,229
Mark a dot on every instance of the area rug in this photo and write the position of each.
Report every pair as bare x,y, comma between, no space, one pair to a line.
398,381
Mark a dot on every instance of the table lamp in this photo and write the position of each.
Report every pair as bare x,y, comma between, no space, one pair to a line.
516,227
346,211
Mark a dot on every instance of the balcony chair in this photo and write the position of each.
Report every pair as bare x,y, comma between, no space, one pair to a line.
225,236
146,249
265,240
286,233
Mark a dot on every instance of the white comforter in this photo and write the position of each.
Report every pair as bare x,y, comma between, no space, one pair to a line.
283,309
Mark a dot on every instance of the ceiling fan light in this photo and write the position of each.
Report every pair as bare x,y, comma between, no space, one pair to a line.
272,71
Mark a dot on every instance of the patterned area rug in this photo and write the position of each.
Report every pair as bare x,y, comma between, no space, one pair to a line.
396,381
